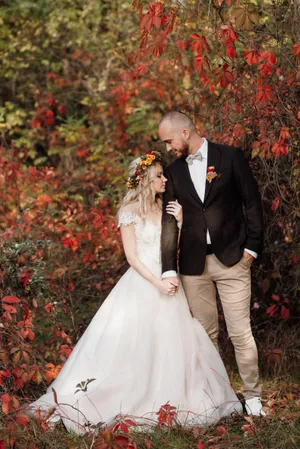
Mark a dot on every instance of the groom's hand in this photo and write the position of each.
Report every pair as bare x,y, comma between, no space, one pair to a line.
248,257
173,281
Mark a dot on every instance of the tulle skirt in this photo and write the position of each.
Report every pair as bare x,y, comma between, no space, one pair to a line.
141,350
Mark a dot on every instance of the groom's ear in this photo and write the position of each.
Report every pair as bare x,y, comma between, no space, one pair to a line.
186,133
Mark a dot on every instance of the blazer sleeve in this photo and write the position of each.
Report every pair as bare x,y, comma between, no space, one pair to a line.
252,202
169,234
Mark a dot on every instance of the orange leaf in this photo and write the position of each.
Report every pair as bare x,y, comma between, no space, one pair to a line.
44,200
11,299
285,133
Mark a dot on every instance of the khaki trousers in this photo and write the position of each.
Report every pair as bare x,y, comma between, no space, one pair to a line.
234,288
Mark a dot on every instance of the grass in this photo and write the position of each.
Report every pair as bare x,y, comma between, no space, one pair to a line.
280,429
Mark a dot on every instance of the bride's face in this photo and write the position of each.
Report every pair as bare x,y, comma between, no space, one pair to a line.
158,179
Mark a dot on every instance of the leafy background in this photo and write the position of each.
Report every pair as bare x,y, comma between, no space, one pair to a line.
83,84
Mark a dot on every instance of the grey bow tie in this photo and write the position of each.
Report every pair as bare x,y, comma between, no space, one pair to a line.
191,157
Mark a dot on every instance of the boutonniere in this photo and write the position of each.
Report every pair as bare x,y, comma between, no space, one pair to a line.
211,174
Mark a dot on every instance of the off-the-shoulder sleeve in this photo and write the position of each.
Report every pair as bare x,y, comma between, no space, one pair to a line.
127,218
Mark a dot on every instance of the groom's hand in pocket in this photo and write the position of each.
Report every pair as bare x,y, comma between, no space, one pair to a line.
248,257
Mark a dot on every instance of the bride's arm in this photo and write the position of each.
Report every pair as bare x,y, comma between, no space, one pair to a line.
129,244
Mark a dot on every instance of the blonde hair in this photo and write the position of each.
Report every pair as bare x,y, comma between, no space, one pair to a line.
143,191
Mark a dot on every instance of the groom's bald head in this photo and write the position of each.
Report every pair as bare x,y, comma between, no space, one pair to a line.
177,121
177,131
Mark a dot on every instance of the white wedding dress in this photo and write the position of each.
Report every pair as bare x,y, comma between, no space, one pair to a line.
143,349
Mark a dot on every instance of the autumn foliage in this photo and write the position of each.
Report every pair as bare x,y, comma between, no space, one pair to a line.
78,103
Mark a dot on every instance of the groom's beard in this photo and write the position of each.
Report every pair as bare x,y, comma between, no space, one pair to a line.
184,150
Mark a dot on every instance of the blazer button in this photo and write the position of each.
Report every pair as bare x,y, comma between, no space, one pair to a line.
204,210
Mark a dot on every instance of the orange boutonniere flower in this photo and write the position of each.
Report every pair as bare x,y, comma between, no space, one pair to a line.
211,174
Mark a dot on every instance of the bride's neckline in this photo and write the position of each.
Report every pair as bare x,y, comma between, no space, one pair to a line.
148,221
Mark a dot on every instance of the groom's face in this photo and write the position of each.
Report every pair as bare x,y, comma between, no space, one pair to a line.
174,139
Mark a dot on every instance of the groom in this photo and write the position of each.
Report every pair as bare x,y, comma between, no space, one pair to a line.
222,233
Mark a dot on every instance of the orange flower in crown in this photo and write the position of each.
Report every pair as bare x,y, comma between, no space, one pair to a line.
145,162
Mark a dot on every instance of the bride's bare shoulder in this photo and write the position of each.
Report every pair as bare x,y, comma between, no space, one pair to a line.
129,208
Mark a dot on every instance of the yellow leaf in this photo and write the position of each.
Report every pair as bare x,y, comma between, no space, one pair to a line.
59,272
16,357
255,152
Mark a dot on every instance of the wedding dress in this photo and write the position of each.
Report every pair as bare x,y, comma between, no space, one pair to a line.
142,349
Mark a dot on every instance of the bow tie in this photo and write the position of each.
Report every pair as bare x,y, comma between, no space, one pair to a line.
191,157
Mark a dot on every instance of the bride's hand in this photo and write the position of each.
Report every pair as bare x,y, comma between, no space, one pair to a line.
166,287
175,209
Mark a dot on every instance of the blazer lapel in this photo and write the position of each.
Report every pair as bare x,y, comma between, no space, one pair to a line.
213,159
188,180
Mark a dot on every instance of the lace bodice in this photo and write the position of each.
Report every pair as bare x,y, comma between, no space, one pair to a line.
147,239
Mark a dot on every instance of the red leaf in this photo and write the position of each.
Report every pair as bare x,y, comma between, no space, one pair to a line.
228,35
130,422
2,444
296,50
71,287
280,148
6,406
221,430
284,312
11,299
200,44
201,64
264,94
268,57
200,445
152,17
61,110
275,297
22,419
251,56
230,51
9,309
272,310
182,45
275,204
121,441
294,260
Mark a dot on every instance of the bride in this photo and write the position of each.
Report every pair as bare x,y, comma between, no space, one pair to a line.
142,349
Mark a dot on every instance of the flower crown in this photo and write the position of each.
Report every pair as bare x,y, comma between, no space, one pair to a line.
145,162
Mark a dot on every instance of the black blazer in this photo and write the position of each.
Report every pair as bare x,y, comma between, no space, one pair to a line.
231,211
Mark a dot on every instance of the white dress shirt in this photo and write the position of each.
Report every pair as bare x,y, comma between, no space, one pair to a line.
198,170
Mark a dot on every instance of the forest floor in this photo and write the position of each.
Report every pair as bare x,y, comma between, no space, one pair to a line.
280,429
